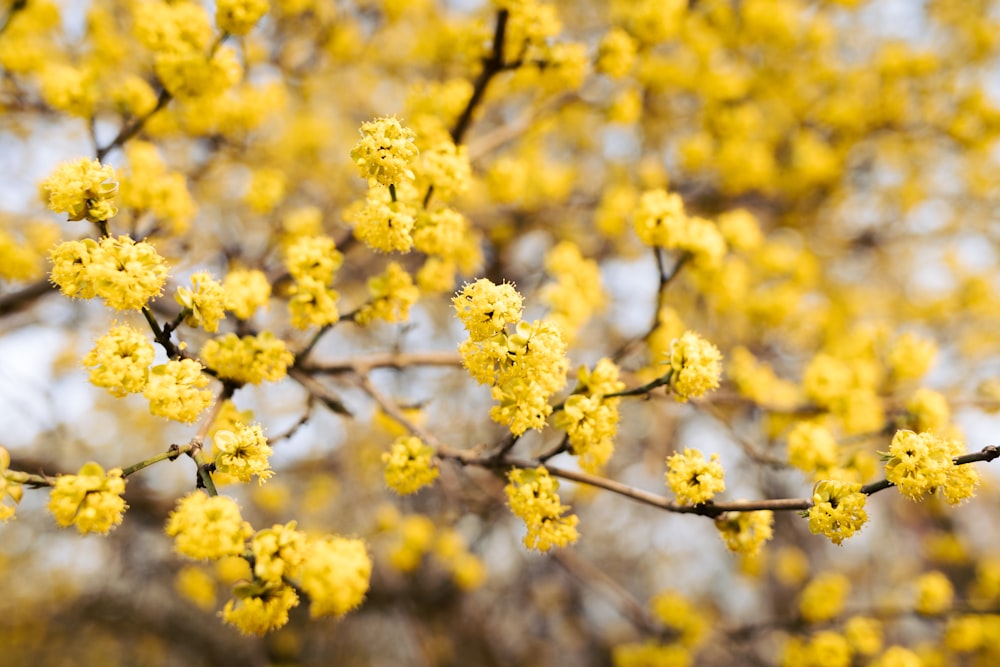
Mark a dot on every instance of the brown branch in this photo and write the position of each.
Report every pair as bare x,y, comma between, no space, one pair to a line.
23,298
362,365
492,65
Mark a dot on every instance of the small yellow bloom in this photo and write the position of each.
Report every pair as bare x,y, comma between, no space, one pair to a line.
823,598
120,361
243,453
409,465
205,304
278,552
208,527
8,489
385,151
83,189
91,499
335,575
259,608
533,496
175,390
838,510
746,532
934,594
693,479
696,366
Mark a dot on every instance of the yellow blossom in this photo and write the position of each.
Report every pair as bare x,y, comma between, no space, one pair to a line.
864,634
120,361
259,608
486,308
533,496
278,552
335,575
251,359
174,390
409,465
124,273
390,293
8,489
823,598
238,17
838,510
812,448
385,226
208,527
696,366
934,594
312,303
693,479
616,53
91,499
746,532
312,257
245,290
243,453
679,614
205,304
385,151
83,189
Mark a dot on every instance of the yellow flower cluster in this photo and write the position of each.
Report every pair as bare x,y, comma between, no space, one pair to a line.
681,616
335,575
208,527
23,255
251,359
390,295
661,221
812,448
384,225
921,463
533,496
8,489
257,608
695,364
589,418
826,648
838,510
243,453
385,151
246,290
643,654
278,552
444,167
124,273
205,305
693,479
524,368
313,260
616,53
409,465
148,186
823,598
83,189
746,532
576,293
120,361
90,499
174,390
238,17
935,594
418,535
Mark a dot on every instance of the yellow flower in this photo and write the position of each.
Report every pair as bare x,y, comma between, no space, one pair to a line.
864,634
616,53
660,219
174,390
486,308
335,575
208,527
238,17
312,257
120,361
246,290
677,613
312,303
385,151
746,532
444,167
278,552
812,448
696,366
243,453
259,608
533,496
390,295
934,594
838,510
409,465
385,226
124,273
205,303
251,359
91,499
919,463
693,479
823,598
8,489
83,189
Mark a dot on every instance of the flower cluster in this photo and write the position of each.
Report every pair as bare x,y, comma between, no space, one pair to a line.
208,527
83,189
696,366
812,448
149,186
91,499
921,463
313,261
589,417
693,479
251,359
124,273
409,465
523,368
175,390
204,305
838,510
335,575
120,361
246,290
576,293
746,532
660,221
385,151
533,496
238,17
390,295
243,452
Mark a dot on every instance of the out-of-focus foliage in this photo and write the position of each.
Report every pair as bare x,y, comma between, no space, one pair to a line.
697,298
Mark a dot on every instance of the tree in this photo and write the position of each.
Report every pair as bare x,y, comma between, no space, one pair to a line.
633,333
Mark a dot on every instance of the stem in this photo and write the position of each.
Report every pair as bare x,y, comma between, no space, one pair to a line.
169,455
492,65
646,388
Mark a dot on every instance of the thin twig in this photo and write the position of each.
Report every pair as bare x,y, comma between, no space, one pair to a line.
363,365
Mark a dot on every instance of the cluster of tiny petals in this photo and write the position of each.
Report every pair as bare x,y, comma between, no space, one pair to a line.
278,552
336,574
205,303
208,527
746,532
120,361
91,499
83,189
812,447
693,479
528,372
446,168
590,419
696,366
259,609
246,290
409,465
124,273
921,463
251,359
838,510
385,226
391,294
243,453
175,390
486,308
385,151
533,496
238,17
313,258
660,218
312,303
